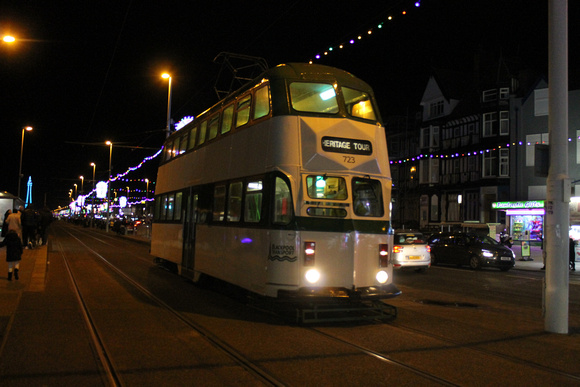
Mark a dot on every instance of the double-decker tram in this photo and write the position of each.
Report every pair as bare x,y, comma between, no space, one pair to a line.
281,188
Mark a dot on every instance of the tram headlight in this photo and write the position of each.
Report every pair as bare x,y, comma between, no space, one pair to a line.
312,276
382,276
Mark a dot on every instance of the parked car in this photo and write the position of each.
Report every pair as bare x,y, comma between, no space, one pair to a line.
411,251
470,249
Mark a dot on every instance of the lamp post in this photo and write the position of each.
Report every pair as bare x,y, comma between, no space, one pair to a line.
167,129
76,186
94,194
25,129
8,39
110,144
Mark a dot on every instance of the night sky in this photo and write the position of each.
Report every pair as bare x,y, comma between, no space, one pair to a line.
85,72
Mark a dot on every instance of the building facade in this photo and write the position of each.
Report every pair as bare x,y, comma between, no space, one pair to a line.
471,150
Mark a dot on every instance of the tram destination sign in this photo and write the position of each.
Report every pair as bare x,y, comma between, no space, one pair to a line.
347,145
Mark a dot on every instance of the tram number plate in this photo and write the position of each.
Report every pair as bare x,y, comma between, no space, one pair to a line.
414,257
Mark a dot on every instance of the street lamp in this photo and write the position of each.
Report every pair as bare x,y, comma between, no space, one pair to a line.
110,144
75,191
25,129
167,129
8,39
147,189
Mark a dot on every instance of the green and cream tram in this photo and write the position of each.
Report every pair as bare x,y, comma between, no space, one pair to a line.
282,188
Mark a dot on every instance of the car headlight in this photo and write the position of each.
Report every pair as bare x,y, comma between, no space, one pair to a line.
487,253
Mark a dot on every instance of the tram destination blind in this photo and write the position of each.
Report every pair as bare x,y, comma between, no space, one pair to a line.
347,145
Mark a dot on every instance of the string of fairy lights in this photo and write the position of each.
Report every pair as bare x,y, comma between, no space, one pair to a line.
468,154
120,177
369,32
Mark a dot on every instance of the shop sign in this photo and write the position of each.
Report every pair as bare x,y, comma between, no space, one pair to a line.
513,205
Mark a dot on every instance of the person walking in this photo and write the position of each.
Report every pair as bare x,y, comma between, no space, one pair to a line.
13,253
30,222
45,221
5,223
14,223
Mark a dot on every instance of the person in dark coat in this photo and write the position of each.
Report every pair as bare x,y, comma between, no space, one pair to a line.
5,223
45,221
13,253
572,255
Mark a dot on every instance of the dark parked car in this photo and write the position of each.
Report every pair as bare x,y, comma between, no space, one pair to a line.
470,249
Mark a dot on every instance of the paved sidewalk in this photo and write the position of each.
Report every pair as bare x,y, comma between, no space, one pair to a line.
535,260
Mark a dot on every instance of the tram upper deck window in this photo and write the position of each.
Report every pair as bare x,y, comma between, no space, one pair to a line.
326,187
367,197
313,97
262,104
202,130
243,112
358,104
213,127
227,119
192,137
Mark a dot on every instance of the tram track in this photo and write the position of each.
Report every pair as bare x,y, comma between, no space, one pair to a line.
391,359
112,375
255,370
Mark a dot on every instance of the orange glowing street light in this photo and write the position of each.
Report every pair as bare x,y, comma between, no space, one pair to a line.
168,77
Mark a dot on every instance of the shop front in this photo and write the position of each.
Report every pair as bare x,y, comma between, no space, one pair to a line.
525,219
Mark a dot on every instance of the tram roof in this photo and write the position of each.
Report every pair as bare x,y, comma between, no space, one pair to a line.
297,71
300,71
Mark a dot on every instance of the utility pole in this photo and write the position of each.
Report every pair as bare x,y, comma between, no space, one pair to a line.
557,222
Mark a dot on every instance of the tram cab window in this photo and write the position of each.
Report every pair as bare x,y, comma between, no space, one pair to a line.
313,97
253,203
219,202
235,201
243,113
283,210
262,104
358,104
367,197
326,187
227,118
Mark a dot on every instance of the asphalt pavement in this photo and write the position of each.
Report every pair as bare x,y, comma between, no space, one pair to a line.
31,352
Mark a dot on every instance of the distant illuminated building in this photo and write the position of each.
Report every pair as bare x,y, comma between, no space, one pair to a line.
28,192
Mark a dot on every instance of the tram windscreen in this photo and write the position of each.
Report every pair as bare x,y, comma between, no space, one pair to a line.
367,197
313,97
358,104
326,187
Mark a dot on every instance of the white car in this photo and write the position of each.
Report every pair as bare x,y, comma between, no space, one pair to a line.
411,251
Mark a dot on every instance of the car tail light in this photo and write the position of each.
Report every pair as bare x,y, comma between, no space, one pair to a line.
383,255
309,253
397,249
428,248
